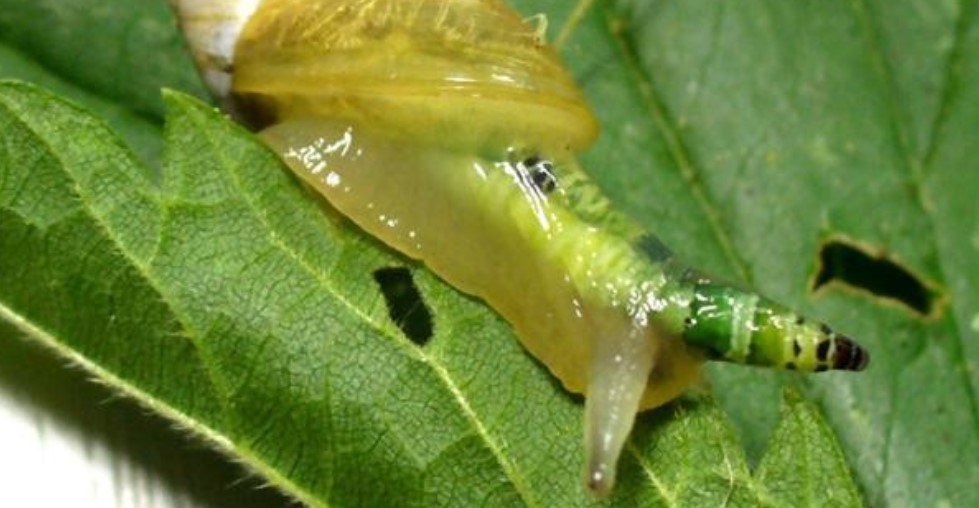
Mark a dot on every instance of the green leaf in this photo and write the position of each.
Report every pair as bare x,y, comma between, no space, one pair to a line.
744,134
802,466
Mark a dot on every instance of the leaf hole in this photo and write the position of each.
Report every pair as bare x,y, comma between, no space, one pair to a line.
852,266
405,305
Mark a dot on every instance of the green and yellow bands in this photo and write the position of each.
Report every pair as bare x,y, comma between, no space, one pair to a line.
742,327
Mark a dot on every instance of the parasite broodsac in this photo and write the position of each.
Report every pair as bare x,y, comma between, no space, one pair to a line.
458,121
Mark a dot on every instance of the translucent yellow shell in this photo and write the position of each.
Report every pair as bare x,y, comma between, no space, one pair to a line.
470,73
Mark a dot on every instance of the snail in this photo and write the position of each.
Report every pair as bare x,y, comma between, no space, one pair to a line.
374,104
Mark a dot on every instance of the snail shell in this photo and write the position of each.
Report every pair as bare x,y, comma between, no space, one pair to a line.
471,70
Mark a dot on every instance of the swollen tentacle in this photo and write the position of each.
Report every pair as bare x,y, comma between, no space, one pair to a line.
742,327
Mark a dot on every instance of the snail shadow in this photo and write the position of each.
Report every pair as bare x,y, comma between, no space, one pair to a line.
146,459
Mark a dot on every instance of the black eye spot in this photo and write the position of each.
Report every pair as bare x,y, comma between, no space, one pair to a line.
544,180
542,174
405,304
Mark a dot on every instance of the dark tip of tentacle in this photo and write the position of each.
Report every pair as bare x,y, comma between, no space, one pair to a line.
849,355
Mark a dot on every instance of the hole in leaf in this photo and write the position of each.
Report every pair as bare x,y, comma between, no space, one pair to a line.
850,265
405,304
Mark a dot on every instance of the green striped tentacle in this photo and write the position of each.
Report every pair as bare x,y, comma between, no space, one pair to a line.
742,327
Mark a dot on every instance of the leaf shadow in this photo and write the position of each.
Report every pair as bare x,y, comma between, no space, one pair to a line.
141,448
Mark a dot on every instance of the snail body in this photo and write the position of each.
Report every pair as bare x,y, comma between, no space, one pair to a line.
448,129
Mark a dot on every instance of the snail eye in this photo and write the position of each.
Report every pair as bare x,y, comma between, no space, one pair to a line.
541,173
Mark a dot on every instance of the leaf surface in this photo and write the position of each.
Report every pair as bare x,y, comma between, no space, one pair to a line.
743,134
